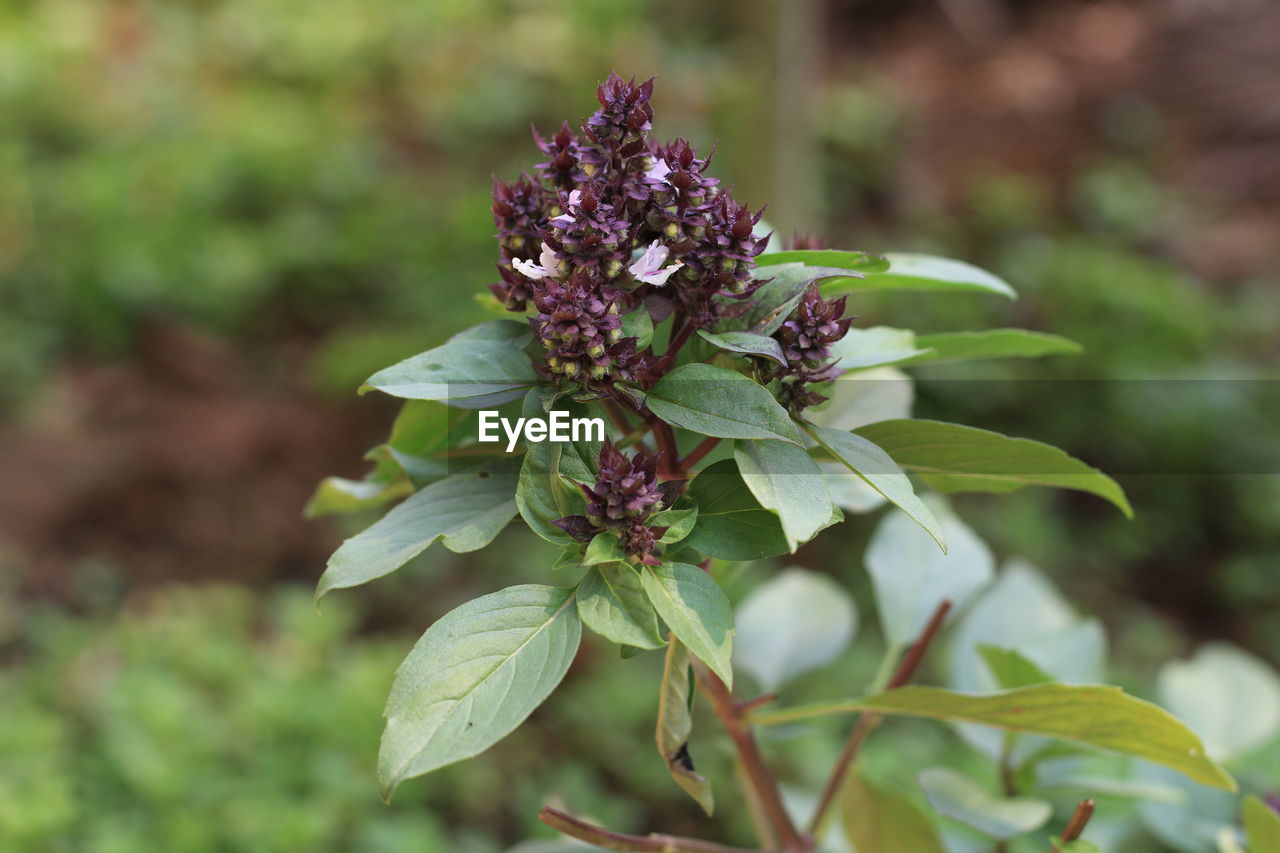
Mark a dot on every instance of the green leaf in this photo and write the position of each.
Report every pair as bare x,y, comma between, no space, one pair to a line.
675,724
679,523
603,548
340,495
1103,717
1228,696
465,510
476,369
877,820
878,470
474,676
786,481
542,494
1080,845
955,458
747,343
774,300
639,325
960,798
693,606
911,576
909,271
1011,669
716,401
1261,825
861,262
876,346
992,343
796,622
612,602
731,525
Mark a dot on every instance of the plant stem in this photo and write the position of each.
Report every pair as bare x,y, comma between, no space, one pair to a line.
1079,820
762,780
610,840
695,456
616,415
668,455
867,722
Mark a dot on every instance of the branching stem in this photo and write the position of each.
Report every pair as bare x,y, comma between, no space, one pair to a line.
610,840
867,722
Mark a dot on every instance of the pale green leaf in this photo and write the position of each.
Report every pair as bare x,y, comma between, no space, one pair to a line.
715,401
1101,717
992,343
696,610
466,511
476,369
474,676
612,602
1228,696
865,397
960,798
796,622
639,325
877,820
746,343
955,458
908,271
912,577
876,346
787,482
675,724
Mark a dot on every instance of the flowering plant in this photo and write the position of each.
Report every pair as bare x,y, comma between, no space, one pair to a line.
732,382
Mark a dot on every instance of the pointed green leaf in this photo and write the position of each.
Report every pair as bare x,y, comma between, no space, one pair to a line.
877,820
476,369
955,458
960,798
694,607
861,262
774,300
639,325
679,523
992,343
474,676
746,343
715,401
796,622
1103,717
612,602
1197,690
787,482
603,548
1011,669
909,271
675,724
466,511
731,525
878,470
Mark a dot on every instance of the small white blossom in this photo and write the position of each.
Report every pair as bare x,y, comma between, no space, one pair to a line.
659,170
545,268
648,267
564,220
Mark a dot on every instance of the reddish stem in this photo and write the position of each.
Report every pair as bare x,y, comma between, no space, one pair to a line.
906,669
610,840
695,456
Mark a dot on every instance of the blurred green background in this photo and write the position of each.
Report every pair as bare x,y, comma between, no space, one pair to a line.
218,216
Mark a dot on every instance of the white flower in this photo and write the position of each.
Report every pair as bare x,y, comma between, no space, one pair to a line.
545,268
659,170
564,220
648,268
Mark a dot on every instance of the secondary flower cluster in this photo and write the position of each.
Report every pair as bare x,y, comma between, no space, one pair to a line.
611,221
806,338
624,498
